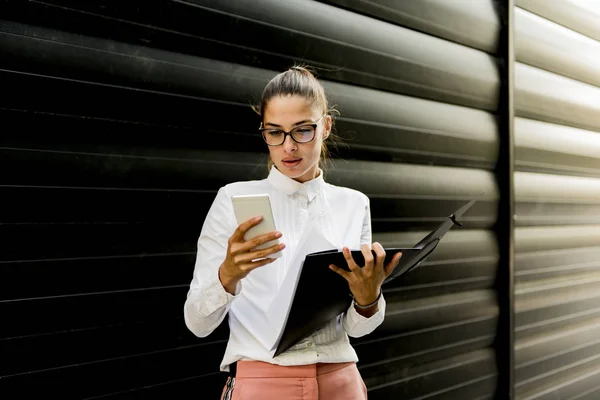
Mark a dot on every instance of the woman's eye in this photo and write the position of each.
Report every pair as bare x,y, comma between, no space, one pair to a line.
273,133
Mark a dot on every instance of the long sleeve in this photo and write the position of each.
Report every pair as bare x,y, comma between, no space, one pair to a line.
207,301
355,324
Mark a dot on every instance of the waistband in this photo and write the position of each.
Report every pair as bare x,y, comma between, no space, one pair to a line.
260,369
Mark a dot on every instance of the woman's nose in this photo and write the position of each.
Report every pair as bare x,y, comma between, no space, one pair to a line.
289,144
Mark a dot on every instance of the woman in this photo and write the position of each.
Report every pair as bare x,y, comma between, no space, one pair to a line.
296,126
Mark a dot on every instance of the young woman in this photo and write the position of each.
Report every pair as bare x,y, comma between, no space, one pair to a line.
296,127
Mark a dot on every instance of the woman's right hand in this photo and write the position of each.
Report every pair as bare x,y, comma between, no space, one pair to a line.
239,259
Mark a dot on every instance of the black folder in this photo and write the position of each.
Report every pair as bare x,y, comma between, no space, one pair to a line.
321,294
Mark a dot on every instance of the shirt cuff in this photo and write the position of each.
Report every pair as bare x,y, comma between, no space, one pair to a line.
216,295
360,325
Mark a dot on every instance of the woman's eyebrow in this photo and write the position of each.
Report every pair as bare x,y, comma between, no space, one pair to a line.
304,121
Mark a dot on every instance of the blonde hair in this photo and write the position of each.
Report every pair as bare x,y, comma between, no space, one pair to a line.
300,81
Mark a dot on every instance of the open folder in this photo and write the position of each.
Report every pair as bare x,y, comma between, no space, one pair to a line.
320,295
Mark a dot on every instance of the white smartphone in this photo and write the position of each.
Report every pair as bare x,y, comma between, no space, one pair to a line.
256,205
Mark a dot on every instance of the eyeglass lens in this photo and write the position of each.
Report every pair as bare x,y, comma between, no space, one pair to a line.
301,134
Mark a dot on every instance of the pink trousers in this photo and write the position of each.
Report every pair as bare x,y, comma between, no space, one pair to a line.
256,380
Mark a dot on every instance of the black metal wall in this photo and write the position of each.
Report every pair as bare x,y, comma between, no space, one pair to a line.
557,135
120,120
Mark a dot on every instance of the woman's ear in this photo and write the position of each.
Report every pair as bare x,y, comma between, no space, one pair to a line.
328,124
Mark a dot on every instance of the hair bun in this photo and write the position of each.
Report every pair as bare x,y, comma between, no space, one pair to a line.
302,69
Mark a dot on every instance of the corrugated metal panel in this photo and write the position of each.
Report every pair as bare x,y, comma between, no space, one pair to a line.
475,26
552,47
558,238
579,16
553,98
126,180
316,33
557,200
545,147
446,71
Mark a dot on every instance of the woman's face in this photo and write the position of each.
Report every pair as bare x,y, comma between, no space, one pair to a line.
299,161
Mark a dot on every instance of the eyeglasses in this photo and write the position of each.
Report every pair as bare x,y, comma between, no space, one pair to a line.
300,134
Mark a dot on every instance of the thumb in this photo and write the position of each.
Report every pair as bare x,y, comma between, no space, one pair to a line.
393,263
339,271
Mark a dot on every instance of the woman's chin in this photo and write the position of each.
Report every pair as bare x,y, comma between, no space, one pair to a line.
297,172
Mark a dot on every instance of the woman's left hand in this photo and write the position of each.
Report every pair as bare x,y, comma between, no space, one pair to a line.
365,283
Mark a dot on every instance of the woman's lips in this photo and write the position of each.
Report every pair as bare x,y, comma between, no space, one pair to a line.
291,162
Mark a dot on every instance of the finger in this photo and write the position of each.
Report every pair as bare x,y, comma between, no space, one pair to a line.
238,234
254,255
343,273
368,255
251,266
379,254
389,268
350,260
257,241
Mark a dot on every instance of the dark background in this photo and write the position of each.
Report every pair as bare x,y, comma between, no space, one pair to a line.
121,119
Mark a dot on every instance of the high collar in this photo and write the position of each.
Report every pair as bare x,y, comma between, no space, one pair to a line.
290,186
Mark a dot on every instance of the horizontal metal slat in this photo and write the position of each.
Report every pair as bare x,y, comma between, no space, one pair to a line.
580,284
412,129
580,16
379,179
318,32
547,302
551,148
32,242
475,26
72,276
556,317
555,263
384,50
553,98
83,346
545,352
122,65
91,310
371,120
551,188
426,345
426,312
212,385
212,388
556,200
127,108
567,382
532,239
465,260
552,47
72,204
118,374
471,375
557,275
188,171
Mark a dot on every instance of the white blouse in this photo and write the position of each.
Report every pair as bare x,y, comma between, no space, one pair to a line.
343,217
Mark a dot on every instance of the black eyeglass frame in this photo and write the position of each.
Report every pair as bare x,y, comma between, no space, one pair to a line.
285,134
